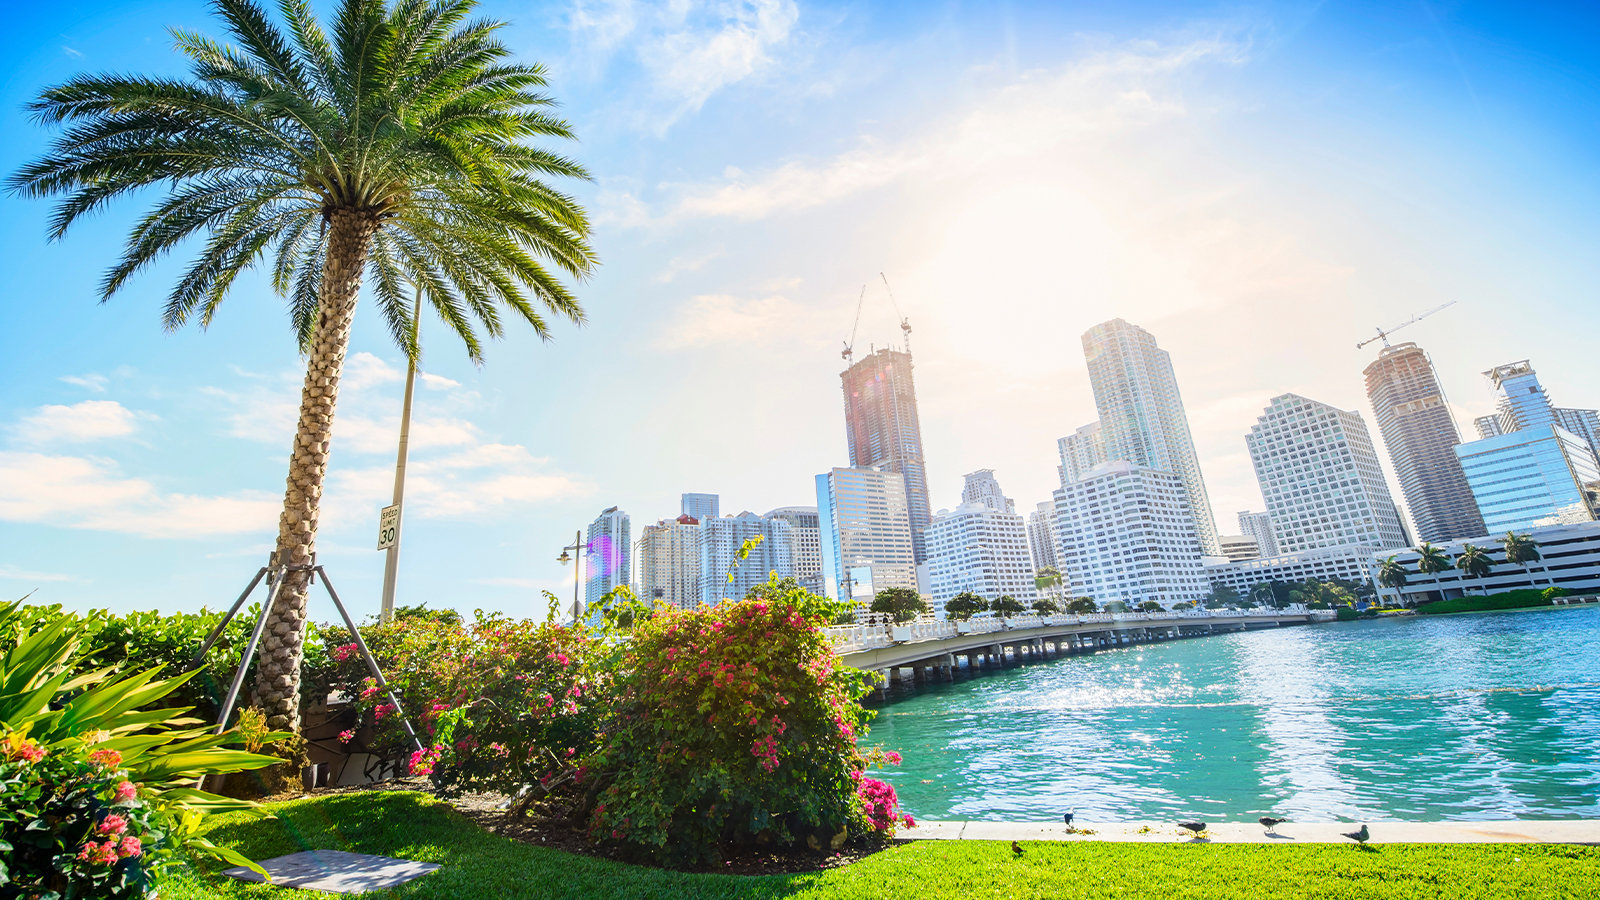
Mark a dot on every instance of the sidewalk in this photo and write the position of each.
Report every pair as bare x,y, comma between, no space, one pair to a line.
1568,831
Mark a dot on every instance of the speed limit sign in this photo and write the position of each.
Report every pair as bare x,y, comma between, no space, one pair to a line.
389,527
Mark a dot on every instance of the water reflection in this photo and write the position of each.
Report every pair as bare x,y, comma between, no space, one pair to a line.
1462,717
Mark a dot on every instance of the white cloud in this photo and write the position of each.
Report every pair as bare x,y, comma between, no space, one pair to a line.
710,319
689,262
95,383
11,573
689,49
364,370
438,382
480,480
91,420
87,493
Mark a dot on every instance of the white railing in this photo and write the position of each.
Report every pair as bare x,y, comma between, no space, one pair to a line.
876,634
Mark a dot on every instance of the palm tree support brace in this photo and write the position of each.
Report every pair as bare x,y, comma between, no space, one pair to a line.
276,575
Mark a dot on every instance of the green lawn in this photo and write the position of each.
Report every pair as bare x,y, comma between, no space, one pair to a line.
482,866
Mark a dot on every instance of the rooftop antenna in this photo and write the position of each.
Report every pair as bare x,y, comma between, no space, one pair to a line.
850,346
1384,335
905,324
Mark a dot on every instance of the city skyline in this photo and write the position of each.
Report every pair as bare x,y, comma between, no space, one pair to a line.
737,236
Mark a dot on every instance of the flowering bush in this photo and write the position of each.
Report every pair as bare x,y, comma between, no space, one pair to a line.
501,704
93,774
735,723
96,827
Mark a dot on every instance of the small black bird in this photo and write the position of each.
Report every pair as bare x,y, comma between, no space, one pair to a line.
1269,823
1195,827
1359,837
1016,848
1068,817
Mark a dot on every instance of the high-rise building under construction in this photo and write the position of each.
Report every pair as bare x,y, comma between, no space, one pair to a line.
1421,436
881,425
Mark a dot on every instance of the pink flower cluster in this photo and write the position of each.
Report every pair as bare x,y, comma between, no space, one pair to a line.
112,824
879,802
347,736
423,761
27,750
383,709
106,853
125,792
340,654
109,758
766,750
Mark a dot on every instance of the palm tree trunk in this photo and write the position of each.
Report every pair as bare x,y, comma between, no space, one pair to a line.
277,688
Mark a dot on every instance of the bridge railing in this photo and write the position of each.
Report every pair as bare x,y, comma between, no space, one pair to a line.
872,635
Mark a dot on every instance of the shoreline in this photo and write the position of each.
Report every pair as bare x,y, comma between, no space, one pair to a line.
1498,831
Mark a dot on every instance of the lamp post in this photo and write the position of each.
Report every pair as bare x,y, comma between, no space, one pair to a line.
577,546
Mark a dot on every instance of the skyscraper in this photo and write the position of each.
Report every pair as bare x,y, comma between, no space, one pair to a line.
609,545
883,431
976,547
669,562
1421,436
723,575
1258,525
1142,419
1127,534
1521,401
805,544
1080,451
1320,477
1532,477
1042,536
866,532
982,488
700,506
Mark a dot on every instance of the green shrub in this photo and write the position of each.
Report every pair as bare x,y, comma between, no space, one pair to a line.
94,772
736,723
1519,599
501,704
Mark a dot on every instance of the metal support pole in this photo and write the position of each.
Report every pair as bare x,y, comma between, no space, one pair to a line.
216,633
366,654
274,583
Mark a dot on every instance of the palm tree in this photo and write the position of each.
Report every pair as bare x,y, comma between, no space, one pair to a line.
1262,593
1520,549
1392,574
394,146
1473,562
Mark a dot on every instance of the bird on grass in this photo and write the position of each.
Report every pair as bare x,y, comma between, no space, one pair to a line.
1269,823
1068,816
1360,837
1016,848
1194,827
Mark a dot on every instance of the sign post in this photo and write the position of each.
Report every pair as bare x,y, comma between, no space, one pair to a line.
389,527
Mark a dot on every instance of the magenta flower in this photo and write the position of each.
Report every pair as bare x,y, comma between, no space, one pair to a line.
112,824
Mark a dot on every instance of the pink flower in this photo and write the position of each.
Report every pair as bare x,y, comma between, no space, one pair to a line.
346,737
96,853
130,847
909,822
125,791
892,758
30,752
382,710
107,757
340,654
112,824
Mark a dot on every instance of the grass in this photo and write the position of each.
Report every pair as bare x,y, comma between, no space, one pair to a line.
481,866
1518,599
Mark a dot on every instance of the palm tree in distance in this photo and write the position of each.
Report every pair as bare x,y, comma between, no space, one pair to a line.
1520,549
1473,562
394,146
1392,574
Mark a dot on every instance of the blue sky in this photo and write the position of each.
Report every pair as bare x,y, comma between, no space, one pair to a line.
1260,185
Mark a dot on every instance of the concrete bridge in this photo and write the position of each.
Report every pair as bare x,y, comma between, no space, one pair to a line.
931,649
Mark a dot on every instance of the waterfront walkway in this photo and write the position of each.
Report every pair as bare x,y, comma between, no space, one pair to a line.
932,649
1565,831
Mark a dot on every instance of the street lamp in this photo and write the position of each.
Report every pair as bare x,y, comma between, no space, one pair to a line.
579,546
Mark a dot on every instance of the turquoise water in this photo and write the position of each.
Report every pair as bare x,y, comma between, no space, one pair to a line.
1477,716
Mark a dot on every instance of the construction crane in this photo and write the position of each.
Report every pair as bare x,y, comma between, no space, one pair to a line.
850,346
905,324
1384,335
